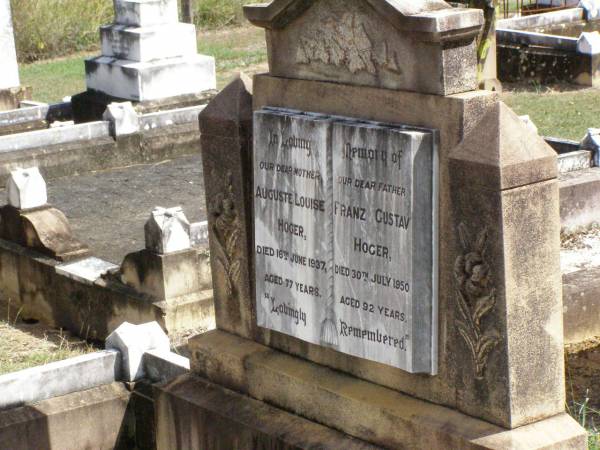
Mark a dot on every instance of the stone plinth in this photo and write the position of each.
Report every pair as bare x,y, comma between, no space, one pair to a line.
163,277
145,13
140,81
148,55
149,43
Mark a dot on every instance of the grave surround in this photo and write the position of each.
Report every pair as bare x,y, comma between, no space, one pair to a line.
499,381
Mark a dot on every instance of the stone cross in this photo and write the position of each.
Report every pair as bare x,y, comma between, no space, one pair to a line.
167,231
26,189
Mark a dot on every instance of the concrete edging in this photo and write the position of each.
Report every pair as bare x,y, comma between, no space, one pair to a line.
58,378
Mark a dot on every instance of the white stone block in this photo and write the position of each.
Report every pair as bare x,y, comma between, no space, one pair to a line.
591,7
144,13
123,119
133,341
167,231
527,121
26,189
86,270
154,80
148,43
589,43
9,70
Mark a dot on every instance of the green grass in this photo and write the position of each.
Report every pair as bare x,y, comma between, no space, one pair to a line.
588,418
53,80
559,114
233,49
10,363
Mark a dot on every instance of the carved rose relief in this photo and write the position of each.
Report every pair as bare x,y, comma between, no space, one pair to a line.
475,297
226,230
346,43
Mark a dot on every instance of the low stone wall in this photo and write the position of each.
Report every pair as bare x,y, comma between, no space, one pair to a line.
90,401
90,309
546,65
87,147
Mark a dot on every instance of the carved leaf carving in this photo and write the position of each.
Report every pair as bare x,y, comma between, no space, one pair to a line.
475,298
345,42
226,233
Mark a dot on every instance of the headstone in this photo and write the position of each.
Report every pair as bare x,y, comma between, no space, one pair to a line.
123,119
335,300
167,231
9,75
26,189
148,55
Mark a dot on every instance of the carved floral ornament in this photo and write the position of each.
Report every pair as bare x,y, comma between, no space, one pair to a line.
475,298
345,42
226,231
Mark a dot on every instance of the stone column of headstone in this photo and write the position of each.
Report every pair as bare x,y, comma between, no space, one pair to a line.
148,57
226,140
11,92
385,254
168,268
507,279
30,221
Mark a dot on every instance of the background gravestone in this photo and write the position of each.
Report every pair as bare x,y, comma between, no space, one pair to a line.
499,379
10,87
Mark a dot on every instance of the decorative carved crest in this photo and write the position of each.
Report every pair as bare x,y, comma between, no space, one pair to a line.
345,43
226,230
475,297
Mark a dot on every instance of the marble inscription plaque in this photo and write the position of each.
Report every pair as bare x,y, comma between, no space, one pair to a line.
346,235
293,226
383,244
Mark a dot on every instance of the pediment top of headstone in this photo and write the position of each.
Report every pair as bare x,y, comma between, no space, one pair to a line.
507,152
434,17
229,109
